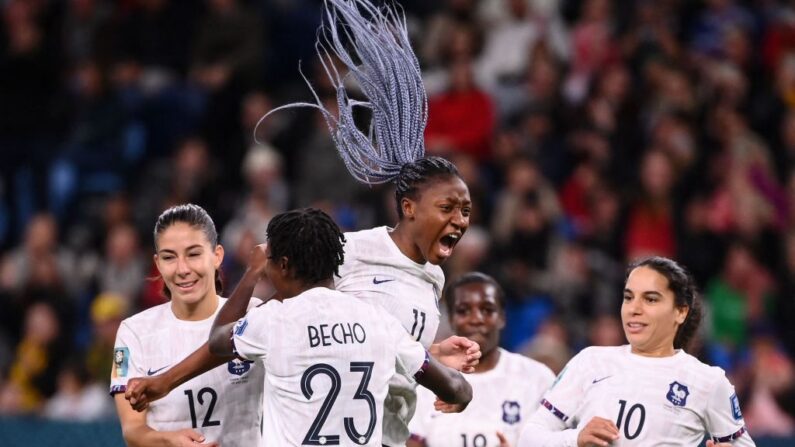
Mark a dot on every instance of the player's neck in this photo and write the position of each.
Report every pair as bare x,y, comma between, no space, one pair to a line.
198,311
488,361
405,243
656,351
296,288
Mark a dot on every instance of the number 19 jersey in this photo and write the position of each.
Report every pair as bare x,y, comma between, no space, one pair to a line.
223,404
329,358
668,401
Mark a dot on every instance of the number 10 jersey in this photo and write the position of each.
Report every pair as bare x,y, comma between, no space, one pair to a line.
667,401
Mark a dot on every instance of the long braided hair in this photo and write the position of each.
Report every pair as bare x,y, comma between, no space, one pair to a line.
373,44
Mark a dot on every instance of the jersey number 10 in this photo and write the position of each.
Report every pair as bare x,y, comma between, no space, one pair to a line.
313,436
642,415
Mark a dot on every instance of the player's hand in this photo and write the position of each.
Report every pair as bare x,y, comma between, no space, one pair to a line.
459,353
711,443
187,438
503,440
143,391
258,259
445,407
598,431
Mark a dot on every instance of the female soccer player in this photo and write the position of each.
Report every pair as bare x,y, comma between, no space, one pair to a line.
650,392
397,267
313,330
205,409
507,387
475,304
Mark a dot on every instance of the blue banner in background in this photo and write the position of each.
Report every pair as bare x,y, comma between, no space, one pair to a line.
32,432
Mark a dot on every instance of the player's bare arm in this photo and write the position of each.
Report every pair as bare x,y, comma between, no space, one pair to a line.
237,304
137,433
217,351
448,384
459,353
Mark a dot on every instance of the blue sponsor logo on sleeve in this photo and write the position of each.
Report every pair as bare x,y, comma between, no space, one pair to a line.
736,413
241,326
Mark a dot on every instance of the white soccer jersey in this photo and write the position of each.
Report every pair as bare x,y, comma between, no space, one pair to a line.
376,270
503,399
222,404
669,401
329,357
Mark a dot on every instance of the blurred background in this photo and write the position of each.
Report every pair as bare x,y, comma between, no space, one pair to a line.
590,133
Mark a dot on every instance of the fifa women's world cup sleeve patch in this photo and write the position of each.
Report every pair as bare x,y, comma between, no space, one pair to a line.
120,370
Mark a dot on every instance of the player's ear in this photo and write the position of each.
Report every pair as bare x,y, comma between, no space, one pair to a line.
409,207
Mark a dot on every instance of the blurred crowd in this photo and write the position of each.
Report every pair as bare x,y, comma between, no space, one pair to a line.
590,133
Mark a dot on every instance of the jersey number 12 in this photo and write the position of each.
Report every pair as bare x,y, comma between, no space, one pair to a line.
207,422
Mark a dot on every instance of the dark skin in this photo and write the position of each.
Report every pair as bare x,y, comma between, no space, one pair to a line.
442,207
446,382
477,315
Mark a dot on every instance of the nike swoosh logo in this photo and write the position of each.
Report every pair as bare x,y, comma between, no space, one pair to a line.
603,378
152,373
376,281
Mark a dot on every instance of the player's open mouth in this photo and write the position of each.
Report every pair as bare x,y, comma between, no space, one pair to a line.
448,242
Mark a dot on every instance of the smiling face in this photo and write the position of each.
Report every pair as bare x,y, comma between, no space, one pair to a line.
439,217
477,314
187,262
649,314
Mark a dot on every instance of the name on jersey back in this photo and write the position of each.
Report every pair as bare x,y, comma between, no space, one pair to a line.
337,333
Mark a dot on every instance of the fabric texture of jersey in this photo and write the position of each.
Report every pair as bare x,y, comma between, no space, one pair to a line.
329,357
376,270
669,401
503,400
222,403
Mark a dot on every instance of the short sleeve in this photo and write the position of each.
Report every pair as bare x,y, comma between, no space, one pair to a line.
251,334
724,418
127,359
566,391
411,355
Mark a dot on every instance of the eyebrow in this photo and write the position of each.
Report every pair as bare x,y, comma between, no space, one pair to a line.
168,250
647,293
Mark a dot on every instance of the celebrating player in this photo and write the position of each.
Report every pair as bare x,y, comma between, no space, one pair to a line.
650,392
329,355
205,409
476,306
396,267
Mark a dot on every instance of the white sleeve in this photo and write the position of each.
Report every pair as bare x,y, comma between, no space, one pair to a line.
127,356
544,429
411,355
551,425
724,418
418,425
251,334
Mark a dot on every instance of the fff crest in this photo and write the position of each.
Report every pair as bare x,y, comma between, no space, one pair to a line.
677,394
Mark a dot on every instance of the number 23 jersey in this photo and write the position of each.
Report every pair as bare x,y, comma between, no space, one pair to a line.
669,401
222,404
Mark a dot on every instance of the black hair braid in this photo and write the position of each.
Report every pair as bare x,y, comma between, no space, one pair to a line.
311,242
